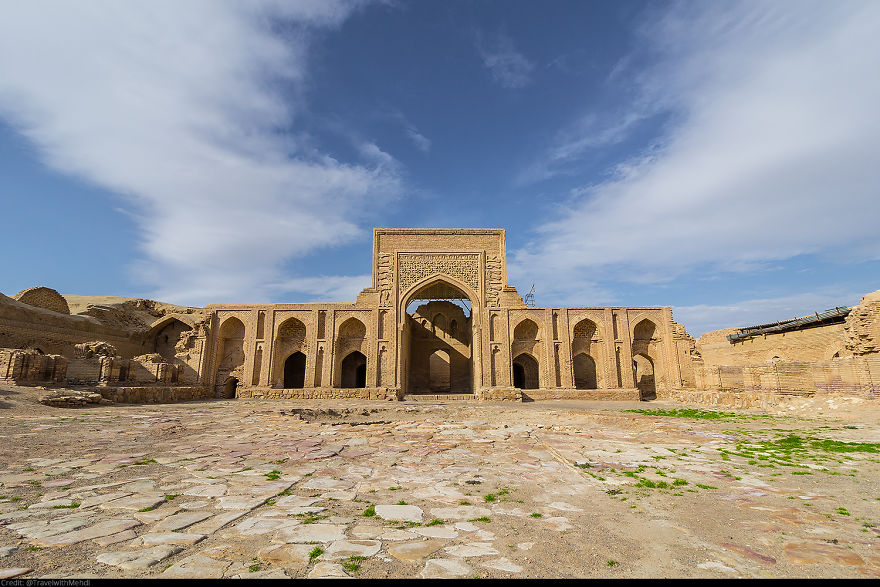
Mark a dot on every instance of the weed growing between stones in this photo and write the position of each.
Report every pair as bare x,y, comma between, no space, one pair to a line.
370,511
436,522
315,553
61,507
273,475
483,519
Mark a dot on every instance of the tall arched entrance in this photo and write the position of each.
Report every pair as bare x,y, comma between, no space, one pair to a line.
437,340
295,371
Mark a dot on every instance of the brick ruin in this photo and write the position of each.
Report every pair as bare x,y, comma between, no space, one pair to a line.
439,319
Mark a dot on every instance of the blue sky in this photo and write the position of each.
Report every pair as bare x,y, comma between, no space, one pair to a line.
722,158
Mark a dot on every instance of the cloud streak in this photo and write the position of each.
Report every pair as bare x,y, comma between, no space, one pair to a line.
773,150
177,108
509,68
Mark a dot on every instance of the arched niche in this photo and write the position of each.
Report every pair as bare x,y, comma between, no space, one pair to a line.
290,337
230,355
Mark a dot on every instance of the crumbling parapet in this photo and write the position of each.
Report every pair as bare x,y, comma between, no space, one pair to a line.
30,367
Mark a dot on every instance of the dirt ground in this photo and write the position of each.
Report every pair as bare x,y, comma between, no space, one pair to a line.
565,488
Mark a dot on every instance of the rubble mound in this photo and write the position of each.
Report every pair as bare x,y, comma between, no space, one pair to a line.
69,398
88,350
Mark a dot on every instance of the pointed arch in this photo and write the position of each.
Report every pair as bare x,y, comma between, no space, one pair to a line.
527,329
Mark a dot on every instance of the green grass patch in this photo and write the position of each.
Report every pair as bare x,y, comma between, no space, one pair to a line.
171,496
436,522
401,502
370,511
537,515
843,512
483,519
702,486
315,553
489,497
611,563
253,568
698,414
351,566
146,462
272,475
464,502
66,507
395,488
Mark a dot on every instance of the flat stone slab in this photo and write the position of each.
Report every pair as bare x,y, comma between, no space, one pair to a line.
196,566
415,551
461,512
440,568
257,526
213,490
267,574
181,520
473,549
327,483
138,559
114,538
216,522
312,533
133,503
406,513
14,572
295,501
324,570
153,538
7,550
436,531
99,530
240,502
346,548
286,554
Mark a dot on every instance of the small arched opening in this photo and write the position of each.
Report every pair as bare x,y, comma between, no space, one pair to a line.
354,370
525,372
229,387
295,371
439,373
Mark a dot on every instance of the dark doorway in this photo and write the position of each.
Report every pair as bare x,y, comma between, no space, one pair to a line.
354,370
229,387
519,376
295,371
527,367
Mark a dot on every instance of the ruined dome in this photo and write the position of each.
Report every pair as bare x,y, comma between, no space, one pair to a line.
43,297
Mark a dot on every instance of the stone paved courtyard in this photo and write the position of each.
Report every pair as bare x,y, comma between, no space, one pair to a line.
544,489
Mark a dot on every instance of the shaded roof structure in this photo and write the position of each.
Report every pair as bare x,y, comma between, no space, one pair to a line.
833,316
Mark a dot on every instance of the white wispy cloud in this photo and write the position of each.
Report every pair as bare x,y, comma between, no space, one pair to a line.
327,288
773,150
509,67
176,107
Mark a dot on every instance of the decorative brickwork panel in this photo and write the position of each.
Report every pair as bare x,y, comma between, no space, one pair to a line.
463,266
493,281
